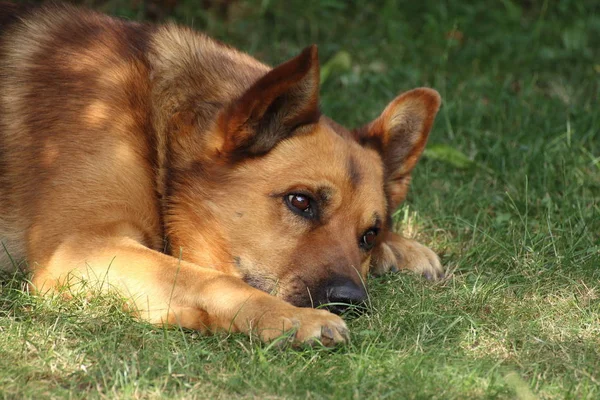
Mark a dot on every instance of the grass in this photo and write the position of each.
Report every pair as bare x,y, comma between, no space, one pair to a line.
518,222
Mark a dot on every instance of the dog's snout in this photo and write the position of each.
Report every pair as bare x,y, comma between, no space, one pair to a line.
345,294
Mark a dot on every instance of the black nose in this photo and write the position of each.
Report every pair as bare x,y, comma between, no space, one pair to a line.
345,295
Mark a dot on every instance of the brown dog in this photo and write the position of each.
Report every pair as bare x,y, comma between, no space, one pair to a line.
203,185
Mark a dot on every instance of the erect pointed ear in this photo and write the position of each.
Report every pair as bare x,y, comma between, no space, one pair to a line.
400,134
286,98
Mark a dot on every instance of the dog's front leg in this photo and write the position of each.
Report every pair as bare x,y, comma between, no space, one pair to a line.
164,289
397,252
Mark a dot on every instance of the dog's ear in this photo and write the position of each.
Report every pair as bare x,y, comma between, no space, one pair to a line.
286,98
400,134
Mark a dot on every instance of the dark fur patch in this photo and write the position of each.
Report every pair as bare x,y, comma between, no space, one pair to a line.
354,173
258,283
11,13
361,135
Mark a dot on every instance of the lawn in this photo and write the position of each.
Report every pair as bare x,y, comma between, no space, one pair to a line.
508,194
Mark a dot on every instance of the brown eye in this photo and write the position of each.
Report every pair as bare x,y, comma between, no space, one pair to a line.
301,204
299,201
368,240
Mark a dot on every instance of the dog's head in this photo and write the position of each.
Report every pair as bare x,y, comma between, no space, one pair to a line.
289,200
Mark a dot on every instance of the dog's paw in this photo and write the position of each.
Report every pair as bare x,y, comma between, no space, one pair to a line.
398,253
302,326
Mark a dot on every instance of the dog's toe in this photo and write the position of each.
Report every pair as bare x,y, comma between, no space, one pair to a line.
307,326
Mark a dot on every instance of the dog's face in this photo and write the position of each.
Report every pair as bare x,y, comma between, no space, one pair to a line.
293,203
303,219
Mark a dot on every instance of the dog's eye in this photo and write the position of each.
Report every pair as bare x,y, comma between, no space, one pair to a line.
301,204
299,201
368,239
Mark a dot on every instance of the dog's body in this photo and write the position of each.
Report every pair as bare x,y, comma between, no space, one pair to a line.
200,183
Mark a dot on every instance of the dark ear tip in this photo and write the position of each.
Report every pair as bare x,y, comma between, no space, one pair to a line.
311,52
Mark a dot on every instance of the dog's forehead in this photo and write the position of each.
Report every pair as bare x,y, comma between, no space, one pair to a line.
361,161
364,169
328,155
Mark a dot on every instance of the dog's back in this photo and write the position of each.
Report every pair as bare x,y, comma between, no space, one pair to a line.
74,120
9,227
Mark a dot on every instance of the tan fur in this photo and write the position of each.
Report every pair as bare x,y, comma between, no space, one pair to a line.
160,163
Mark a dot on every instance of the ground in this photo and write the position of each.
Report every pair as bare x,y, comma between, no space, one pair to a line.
508,194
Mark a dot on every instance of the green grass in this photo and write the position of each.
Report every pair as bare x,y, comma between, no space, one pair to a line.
518,224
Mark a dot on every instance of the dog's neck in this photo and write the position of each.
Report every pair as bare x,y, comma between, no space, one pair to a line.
192,78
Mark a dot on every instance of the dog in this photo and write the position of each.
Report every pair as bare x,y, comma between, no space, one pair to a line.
199,183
